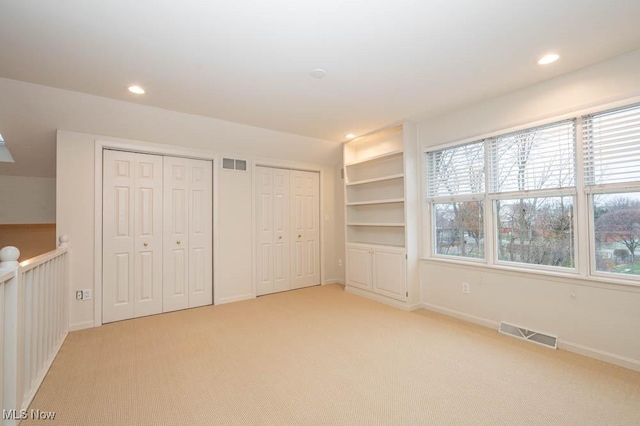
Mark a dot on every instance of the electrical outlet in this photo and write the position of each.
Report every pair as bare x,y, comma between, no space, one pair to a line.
465,288
339,262
86,294
79,295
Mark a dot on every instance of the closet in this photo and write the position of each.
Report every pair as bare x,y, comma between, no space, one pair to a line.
157,234
288,249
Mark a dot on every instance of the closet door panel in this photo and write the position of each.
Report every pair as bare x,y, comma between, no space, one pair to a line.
200,233
118,236
305,229
281,266
264,209
148,234
176,234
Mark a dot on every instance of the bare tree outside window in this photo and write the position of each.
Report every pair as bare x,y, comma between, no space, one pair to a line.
617,232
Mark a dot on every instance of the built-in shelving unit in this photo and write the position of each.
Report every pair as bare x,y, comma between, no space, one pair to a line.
380,239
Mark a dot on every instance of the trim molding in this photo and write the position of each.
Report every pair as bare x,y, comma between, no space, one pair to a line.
598,354
382,299
232,299
82,325
333,281
461,315
605,356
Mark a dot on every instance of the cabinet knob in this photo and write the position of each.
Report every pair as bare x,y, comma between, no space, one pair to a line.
145,244
178,242
280,237
299,235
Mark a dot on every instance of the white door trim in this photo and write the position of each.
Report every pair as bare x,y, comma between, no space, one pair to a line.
103,143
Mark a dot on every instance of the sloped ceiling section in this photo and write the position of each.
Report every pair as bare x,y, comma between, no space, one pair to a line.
30,115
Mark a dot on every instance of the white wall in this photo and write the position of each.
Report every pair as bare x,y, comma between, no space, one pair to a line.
593,318
27,200
76,181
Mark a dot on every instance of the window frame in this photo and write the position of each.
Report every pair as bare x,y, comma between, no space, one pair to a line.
583,217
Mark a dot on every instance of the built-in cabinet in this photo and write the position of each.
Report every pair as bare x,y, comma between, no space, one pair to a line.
288,226
157,234
380,171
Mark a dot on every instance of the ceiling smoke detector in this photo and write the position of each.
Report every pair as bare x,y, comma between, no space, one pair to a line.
318,73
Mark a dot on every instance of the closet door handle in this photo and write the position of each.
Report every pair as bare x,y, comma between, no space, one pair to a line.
299,235
280,237
145,244
178,242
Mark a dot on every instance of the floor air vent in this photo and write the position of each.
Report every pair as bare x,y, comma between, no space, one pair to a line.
532,336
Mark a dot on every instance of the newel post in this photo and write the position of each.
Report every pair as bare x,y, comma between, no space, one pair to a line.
63,241
9,258
13,308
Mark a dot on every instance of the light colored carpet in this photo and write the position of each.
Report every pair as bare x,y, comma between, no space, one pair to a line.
320,356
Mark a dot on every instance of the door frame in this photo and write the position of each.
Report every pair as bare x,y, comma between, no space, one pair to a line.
127,145
254,221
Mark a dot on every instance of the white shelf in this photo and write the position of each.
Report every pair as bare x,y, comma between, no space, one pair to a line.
366,203
397,224
380,179
374,158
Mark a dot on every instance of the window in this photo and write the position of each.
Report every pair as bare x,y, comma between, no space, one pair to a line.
455,179
532,182
514,199
536,231
526,178
612,180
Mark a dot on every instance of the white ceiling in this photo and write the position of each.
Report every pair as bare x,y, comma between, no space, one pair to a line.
249,61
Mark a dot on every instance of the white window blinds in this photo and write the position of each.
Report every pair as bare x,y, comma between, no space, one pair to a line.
611,142
533,159
456,171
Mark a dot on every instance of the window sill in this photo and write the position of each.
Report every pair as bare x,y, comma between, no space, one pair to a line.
563,277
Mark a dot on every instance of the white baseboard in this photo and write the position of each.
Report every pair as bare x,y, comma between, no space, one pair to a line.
622,361
382,299
461,315
234,299
598,354
333,281
81,325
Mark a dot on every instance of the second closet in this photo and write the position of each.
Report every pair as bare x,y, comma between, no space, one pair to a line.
288,210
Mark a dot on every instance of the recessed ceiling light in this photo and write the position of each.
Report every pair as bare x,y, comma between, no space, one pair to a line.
547,59
137,90
349,136
318,73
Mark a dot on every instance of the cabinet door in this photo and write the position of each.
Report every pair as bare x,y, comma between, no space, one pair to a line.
199,256
176,234
305,229
359,267
389,273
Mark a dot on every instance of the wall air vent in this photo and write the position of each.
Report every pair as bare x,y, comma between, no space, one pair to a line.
529,335
234,164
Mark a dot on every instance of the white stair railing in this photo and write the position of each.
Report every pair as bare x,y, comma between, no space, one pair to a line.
34,315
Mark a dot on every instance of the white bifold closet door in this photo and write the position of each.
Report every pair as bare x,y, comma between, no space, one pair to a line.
132,235
187,263
157,234
287,205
